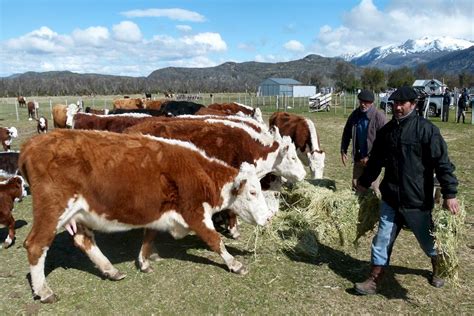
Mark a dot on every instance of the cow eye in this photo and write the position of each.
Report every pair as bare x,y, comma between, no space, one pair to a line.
254,193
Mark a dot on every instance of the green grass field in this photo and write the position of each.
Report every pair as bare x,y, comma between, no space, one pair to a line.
193,280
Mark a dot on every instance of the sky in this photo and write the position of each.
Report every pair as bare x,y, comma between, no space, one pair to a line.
136,37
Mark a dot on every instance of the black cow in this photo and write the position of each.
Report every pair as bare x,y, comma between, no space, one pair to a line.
175,108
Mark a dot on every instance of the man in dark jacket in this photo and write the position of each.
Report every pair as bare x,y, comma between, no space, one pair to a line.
462,105
411,149
446,103
361,126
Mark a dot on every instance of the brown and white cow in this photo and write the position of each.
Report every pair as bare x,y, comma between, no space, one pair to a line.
234,144
33,107
303,133
238,109
42,125
94,180
6,136
90,110
11,190
63,115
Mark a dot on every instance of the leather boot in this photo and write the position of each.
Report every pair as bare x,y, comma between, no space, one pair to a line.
436,280
369,286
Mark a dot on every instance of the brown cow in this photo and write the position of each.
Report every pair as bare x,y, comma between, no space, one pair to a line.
6,137
112,123
21,101
166,185
10,191
32,110
303,133
128,104
94,111
153,104
238,109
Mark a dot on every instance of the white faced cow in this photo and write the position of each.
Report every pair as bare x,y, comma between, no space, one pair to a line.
90,180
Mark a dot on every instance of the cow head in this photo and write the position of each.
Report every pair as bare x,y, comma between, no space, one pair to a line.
287,164
247,198
12,131
71,110
316,163
17,185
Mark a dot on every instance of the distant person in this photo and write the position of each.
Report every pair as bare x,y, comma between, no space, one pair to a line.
361,127
446,103
462,105
410,149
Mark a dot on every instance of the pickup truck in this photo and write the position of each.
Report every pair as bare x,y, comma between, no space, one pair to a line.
434,103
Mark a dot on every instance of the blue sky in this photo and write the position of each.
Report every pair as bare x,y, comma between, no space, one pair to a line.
125,37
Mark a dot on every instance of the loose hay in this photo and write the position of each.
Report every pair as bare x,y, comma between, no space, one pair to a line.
312,214
448,232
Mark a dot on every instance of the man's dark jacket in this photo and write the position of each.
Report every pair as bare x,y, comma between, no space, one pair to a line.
376,121
410,150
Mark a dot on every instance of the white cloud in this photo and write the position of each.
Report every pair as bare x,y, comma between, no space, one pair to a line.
211,41
294,46
95,36
265,58
184,28
40,41
173,14
366,26
127,31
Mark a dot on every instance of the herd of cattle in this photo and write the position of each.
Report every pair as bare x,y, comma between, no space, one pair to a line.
173,166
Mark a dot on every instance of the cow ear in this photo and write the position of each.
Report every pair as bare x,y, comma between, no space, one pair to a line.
239,187
276,133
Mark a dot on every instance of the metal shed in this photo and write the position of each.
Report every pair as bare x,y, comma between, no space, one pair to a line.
284,87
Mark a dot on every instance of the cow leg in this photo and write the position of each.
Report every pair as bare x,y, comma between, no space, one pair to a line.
233,226
10,223
37,244
84,240
148,251
214,241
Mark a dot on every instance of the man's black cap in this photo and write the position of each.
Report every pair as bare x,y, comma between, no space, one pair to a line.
404,93
366,95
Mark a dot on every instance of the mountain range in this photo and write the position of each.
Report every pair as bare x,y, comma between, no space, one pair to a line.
441,56
410,53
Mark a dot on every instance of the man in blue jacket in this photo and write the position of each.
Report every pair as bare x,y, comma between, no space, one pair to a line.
411,149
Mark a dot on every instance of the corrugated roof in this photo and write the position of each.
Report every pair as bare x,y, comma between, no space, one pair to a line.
285,81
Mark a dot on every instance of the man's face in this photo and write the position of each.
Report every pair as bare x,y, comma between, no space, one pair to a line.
364,106
402,108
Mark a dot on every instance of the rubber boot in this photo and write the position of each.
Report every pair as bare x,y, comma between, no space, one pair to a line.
369,286
436,279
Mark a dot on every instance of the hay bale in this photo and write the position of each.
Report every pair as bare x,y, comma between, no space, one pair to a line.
312,213
448,231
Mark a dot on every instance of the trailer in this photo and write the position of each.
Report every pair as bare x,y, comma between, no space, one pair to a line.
320,102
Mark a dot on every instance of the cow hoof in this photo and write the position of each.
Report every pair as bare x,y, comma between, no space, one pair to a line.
147,270
117,276
53,298
155,257
241,271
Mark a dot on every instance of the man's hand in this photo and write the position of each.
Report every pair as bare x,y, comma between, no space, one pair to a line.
344,158
452,205
364,161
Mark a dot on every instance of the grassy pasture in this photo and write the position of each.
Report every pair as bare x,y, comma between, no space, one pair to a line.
193,280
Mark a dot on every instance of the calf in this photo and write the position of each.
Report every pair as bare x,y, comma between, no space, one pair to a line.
304,135
148,182
42,125
6,137
11,190
21,101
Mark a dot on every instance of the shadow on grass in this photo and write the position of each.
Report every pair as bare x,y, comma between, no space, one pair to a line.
4,231
355,270
124,247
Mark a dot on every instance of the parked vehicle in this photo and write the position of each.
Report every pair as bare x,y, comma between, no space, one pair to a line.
320,102
433,102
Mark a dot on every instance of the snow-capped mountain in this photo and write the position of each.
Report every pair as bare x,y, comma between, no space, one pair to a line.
410,53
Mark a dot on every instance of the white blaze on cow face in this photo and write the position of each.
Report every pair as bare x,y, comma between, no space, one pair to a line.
13,132
246,197
42,122
72,110
288,164
316,164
